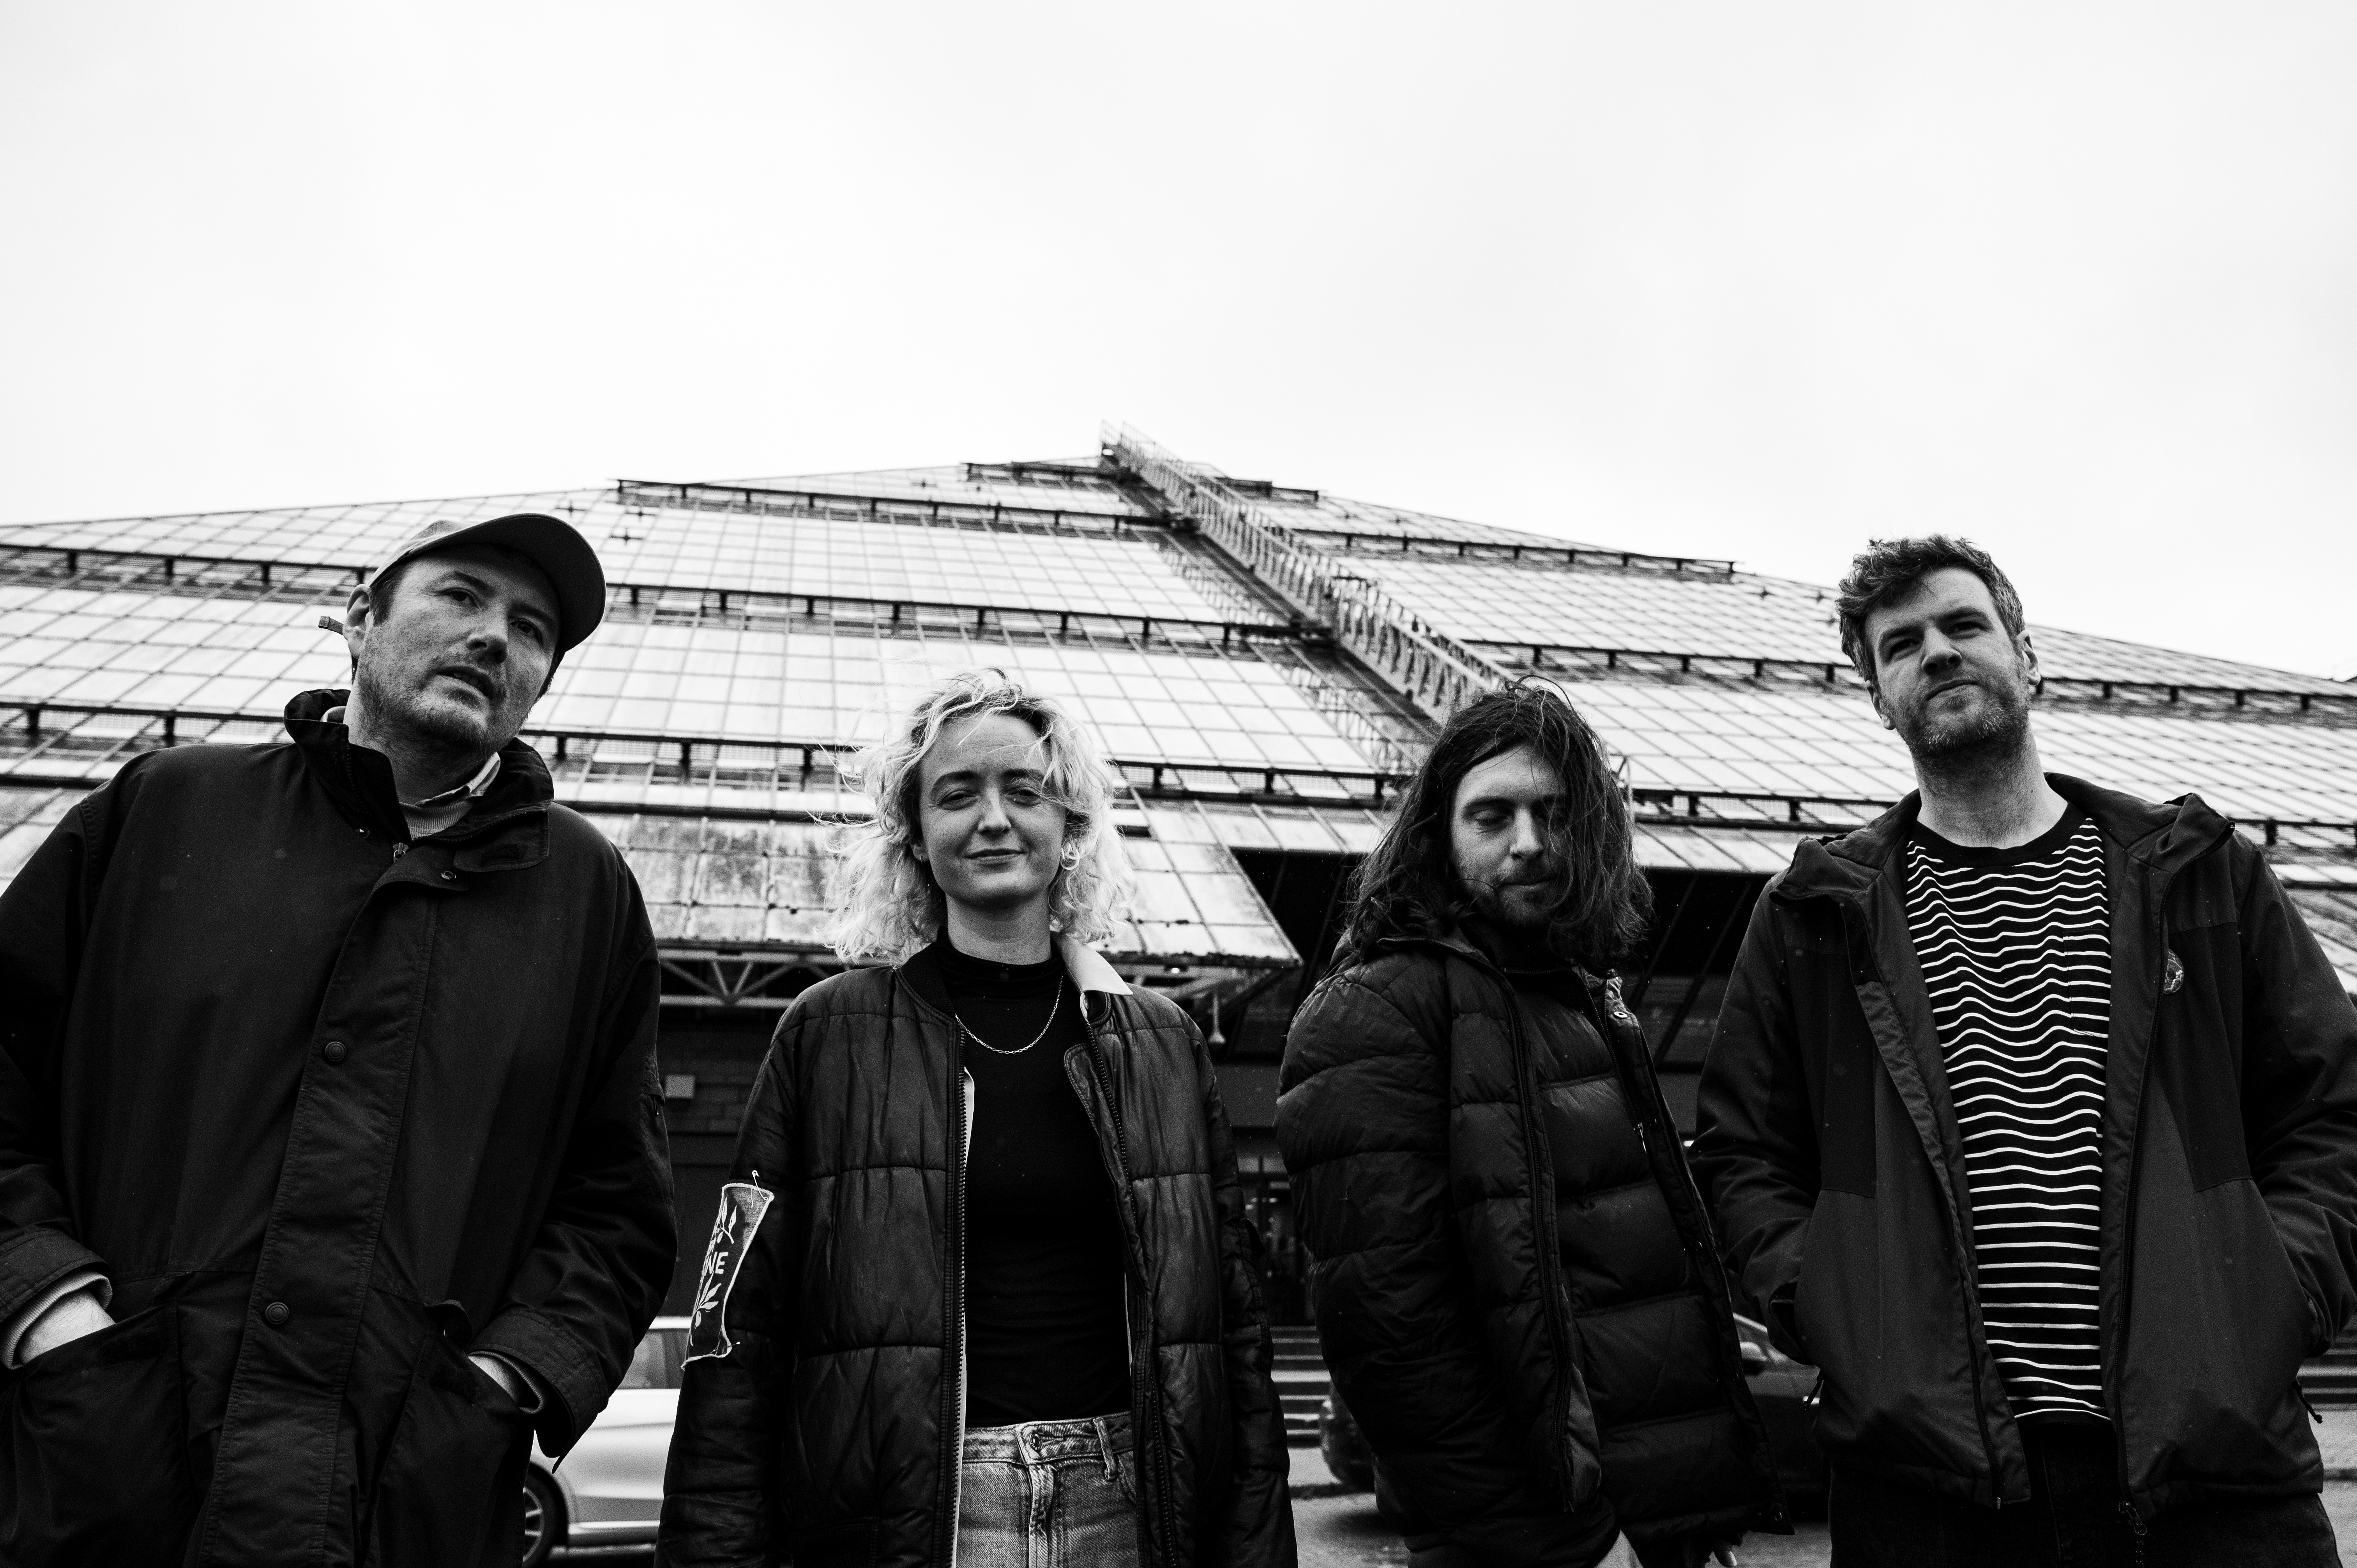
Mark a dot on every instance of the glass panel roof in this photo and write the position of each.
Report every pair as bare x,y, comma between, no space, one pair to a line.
1830,746
1068,485
752,552
1739,618
2331,917
222,654
724,882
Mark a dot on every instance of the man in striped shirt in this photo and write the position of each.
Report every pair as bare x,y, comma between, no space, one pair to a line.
2032,1123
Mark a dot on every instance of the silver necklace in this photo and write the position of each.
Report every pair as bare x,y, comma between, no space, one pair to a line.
1002,1051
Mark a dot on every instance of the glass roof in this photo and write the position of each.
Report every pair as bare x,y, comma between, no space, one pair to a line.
731,881
747,551
1074,484
1830,746
1743,616
222,654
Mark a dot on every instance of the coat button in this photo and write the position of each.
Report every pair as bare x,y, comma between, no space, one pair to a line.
334,1051
276,1314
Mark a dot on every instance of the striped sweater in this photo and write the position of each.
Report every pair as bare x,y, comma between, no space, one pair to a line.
2015,946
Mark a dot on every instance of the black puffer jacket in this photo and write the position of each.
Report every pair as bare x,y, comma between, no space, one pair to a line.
2229,1234
1517,1288
820,1423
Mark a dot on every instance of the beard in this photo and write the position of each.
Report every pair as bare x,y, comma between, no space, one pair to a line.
1996,728
408,711
1524,908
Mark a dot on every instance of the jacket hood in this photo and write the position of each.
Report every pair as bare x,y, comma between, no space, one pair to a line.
2163,835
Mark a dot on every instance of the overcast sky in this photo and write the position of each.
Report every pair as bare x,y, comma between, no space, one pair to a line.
1732,279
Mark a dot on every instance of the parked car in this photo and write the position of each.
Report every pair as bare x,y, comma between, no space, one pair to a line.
608,1490
1784,1388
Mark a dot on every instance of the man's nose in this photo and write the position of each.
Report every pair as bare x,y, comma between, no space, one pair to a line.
1528,840
488,638
1939,652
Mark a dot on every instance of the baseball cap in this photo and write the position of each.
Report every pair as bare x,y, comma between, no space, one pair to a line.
551,544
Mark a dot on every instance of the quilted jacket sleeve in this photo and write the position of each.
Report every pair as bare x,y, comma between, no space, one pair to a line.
2300,1095
1755,1148
1258,1529
1363,1123
724,1505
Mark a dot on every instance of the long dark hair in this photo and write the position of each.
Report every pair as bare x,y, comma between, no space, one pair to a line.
1408,886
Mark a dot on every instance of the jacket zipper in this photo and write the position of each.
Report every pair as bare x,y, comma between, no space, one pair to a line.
2136,1166
1550,1265
953,1308
1975,1343
1145,1380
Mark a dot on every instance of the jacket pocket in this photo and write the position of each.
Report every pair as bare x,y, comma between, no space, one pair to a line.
96,1463
849,1545
451,1488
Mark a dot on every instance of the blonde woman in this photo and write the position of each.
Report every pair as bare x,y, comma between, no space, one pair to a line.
981,1291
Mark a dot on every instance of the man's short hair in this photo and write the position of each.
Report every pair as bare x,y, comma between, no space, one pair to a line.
1408,884
1887,570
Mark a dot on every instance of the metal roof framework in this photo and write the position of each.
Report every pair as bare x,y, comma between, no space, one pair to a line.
1265,662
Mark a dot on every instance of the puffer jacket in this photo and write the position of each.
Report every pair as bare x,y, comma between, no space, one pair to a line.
822,1418
2228,1235
1516,1284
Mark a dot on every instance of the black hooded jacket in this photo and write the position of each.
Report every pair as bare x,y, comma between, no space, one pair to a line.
329,1109
2229,1205
1516,1284
821,1419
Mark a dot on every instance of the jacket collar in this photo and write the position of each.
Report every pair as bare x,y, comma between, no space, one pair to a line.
1456,940
2164,837
1088,967
359,781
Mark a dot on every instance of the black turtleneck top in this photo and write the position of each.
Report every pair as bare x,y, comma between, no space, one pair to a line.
1044,1329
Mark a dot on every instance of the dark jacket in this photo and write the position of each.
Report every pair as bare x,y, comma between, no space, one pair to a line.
1516,1284
2229,1148
821,1422
329,1109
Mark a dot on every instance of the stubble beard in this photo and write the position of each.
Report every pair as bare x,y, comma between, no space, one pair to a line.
433,726
1986,741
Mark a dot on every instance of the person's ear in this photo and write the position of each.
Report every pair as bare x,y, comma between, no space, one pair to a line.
359,609
2029,653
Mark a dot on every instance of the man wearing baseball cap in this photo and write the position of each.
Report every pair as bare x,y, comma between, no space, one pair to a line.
332,1164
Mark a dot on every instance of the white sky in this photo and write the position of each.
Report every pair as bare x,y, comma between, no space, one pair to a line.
1722,278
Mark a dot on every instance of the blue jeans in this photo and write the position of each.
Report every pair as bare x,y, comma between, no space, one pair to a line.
2072,1519
1049,1494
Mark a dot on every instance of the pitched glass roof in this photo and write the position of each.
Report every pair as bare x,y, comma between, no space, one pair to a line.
809,610
220,654
1737,617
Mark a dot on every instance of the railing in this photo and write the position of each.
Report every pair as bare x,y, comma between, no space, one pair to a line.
1437,671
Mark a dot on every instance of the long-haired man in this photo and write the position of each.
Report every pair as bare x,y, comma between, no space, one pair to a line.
1516,1286
2032,1123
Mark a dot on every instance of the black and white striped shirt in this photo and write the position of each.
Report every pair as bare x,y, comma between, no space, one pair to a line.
2016,949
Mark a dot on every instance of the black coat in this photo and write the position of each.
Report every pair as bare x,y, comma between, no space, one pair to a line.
329,1109
828,1434
2229,1148
1516,1284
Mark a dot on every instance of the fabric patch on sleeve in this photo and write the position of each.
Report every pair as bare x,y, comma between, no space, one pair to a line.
742,1204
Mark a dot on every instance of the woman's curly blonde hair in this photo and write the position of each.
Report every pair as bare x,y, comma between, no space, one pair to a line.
888,904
